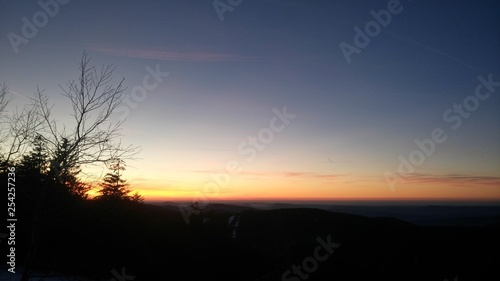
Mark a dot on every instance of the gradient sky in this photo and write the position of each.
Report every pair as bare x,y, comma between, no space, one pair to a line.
352,120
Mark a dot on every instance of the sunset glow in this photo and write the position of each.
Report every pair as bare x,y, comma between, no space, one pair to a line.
254,107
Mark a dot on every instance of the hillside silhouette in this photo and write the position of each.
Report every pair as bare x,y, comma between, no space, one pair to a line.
223,242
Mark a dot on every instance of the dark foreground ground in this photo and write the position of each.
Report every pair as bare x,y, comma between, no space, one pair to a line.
151,242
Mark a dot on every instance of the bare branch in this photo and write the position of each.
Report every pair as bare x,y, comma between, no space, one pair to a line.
4,101
20,127
22,130
92,137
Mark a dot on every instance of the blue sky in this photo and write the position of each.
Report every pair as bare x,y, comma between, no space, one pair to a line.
352,120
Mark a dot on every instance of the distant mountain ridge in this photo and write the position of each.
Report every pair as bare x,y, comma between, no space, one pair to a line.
228,242
419,214
372,248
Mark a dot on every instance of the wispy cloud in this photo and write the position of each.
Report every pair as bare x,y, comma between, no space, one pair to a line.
241,173
17,94
454,179
314,175
338,161
158,54
305,175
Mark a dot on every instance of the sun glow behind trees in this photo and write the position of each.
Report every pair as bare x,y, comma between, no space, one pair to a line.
353,120
58,151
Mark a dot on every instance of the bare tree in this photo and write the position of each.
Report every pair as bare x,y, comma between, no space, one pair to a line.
17,128
3,97
92,138
3,104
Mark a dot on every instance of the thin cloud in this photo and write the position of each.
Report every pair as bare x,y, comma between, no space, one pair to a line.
339,161
314,175
18,94
455,179
157,54
305,175
240,173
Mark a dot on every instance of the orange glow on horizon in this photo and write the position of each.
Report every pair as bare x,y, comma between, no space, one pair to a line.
308,188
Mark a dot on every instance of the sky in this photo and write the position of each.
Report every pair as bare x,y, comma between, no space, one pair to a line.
280,100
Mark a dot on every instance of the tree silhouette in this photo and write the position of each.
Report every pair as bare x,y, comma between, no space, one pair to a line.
92,138
49,157
33,169
35,163
65,170
136,197
17,129
114,188
4,101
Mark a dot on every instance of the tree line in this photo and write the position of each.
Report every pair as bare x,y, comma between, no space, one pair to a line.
40,145
50,156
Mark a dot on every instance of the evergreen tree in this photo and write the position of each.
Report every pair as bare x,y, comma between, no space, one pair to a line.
33,170
65,170
137,198
35,164
113,186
